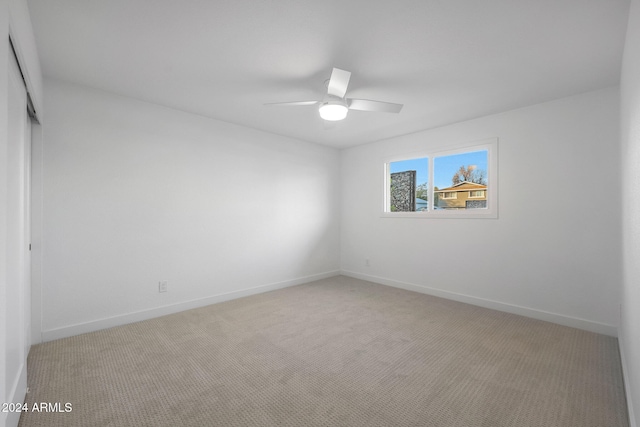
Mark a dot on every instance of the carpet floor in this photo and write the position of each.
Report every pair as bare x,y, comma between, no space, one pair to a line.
335,352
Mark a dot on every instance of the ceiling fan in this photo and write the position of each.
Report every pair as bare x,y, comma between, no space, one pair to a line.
335,106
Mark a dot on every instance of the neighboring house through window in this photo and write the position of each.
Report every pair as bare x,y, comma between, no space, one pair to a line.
457,196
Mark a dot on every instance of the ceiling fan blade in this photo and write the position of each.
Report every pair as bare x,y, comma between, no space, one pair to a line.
377,106
338,82
294,103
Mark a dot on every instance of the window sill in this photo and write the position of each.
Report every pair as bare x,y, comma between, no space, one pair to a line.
443,214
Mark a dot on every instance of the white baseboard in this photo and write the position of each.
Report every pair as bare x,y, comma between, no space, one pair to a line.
17,395
627,381
96,325
560,319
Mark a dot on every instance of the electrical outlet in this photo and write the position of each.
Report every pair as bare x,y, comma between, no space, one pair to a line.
162,286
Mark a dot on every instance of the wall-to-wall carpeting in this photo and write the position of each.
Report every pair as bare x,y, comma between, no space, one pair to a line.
336,352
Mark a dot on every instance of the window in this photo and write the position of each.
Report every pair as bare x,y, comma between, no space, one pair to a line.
408,185
456,183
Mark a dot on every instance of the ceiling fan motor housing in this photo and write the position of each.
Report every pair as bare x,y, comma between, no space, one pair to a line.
333,109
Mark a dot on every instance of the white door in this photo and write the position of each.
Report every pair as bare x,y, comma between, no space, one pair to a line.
18,287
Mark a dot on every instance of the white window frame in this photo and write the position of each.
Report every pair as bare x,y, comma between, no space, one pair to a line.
471,196
490,212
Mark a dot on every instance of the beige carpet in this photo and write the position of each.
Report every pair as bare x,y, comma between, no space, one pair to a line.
336,352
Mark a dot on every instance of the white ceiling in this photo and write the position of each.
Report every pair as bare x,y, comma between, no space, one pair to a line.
445,60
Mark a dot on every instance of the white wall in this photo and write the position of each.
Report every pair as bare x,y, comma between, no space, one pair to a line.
630,135
553,253
136,193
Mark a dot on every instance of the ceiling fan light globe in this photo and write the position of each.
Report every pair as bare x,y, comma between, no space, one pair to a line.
333,111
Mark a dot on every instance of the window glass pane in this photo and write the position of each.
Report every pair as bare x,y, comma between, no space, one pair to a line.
461,181
408,185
